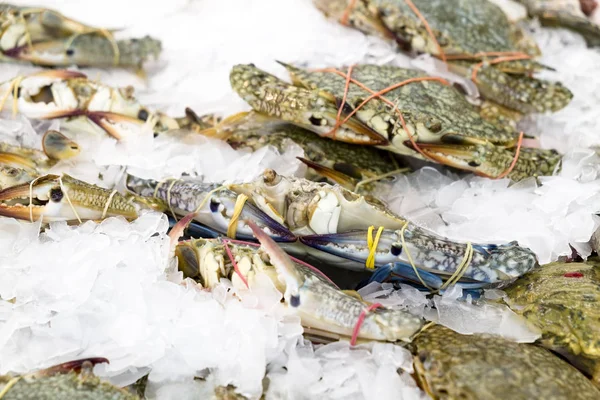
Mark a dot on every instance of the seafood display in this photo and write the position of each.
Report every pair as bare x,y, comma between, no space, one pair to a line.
425,118
304,231
46,37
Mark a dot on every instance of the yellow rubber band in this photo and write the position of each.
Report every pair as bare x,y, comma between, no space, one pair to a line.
372,244
237,211
31,198
454,278
169,198
112,194
68,199
462,268
410,260
9,385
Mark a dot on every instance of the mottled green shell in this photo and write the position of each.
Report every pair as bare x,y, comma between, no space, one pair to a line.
563,300
432,105
67,386
460,26
454,366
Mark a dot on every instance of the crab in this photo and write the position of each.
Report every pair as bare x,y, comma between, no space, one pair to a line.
70,95
354,167
429,120
560,299
449,365
211,204
324,310
45,37
475,39
64,198
70,380
426,260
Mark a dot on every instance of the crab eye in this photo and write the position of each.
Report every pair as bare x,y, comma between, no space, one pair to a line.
318,121
9,171
143,115
56,194
70,52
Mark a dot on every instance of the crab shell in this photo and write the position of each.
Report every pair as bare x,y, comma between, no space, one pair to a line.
449,365
561,299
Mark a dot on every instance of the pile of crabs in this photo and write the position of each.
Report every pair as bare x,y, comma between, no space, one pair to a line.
358,125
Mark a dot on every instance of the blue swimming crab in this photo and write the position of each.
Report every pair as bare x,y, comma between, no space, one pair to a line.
425,119
474,38
324,309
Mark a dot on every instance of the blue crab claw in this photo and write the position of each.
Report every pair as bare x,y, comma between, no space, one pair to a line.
426,251
399,272
353,245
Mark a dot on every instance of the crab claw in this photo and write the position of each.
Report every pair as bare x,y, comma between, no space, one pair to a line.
114,124
59,147
481,159
70,366
353,245
62,198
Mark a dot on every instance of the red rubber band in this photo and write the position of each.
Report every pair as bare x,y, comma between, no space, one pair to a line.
361,319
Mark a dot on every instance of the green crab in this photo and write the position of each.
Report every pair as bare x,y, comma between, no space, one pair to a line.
561,299
451,366
425,119
354,167
19,165
572,14
70,380
474,38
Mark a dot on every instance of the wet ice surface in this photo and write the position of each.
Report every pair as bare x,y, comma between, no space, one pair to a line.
105,290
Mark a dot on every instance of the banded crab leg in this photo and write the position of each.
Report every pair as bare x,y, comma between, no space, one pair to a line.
214,206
